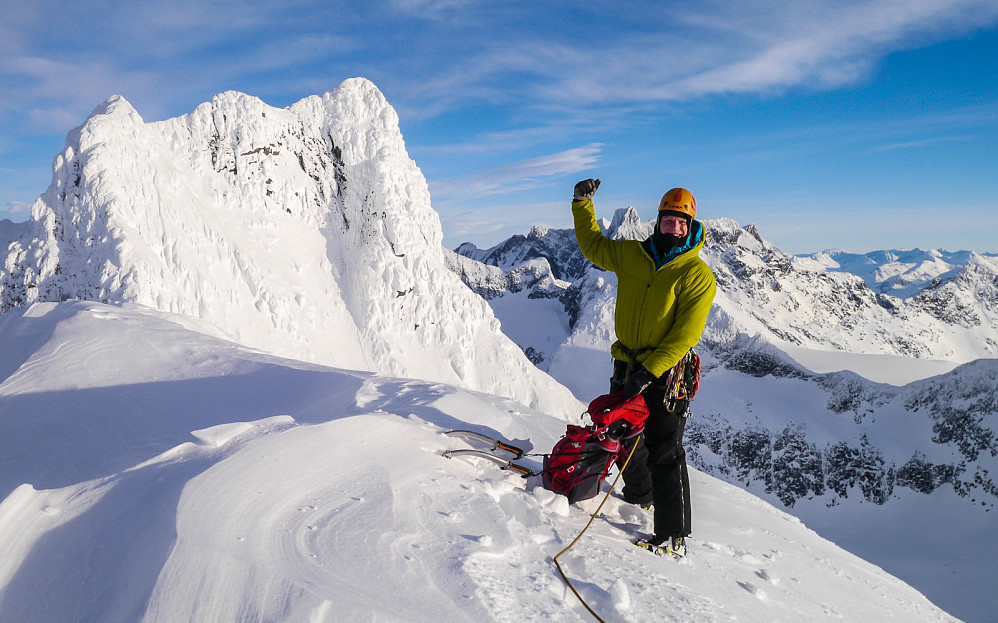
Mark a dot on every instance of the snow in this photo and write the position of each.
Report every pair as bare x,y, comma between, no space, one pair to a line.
890,369
942,529
230,344
200,480
545,327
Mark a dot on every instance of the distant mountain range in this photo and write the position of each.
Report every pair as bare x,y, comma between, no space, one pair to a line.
903,273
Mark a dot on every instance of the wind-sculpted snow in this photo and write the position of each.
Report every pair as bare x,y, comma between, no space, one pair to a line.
156,473
306,232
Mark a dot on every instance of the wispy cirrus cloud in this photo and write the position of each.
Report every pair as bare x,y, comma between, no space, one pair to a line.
653,53
516,176
931,141
500,221
157,56
752,47
529,57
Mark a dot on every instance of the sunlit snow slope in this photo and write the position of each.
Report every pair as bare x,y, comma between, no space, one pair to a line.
152,472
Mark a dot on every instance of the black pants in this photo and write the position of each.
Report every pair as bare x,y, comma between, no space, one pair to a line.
657,471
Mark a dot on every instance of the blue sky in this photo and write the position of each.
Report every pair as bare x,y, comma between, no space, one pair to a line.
830,124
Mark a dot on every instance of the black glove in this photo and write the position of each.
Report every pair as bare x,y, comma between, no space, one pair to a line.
585,189
637,382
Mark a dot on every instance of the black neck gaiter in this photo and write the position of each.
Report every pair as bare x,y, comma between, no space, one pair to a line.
666,242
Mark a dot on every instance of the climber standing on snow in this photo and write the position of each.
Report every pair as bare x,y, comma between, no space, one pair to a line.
664,292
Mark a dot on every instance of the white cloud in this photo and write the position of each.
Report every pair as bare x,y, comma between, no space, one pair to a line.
434,9
58,95
18,207
154,55
297,49
666,55
500,221
931,141
530,56
59,117
16,211
516,176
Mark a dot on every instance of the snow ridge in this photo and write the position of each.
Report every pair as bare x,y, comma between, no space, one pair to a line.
901,272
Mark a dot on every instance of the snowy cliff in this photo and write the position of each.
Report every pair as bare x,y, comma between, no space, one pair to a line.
306,232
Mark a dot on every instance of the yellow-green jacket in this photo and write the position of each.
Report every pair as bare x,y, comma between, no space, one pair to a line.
660,312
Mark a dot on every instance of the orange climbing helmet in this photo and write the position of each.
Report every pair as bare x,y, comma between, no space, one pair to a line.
679,200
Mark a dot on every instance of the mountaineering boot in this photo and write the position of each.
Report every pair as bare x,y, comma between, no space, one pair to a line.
650,545
677,546
664,546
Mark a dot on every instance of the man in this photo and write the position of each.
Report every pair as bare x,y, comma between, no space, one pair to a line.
664,292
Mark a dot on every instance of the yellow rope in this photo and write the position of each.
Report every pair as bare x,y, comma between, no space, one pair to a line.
591,519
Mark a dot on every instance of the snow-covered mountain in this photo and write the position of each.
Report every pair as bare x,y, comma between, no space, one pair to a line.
152,472
954,317
841,403
306,232
901,272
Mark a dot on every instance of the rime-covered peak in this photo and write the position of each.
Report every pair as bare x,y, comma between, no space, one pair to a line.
305,231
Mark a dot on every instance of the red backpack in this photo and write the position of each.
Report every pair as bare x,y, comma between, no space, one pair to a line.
579,462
